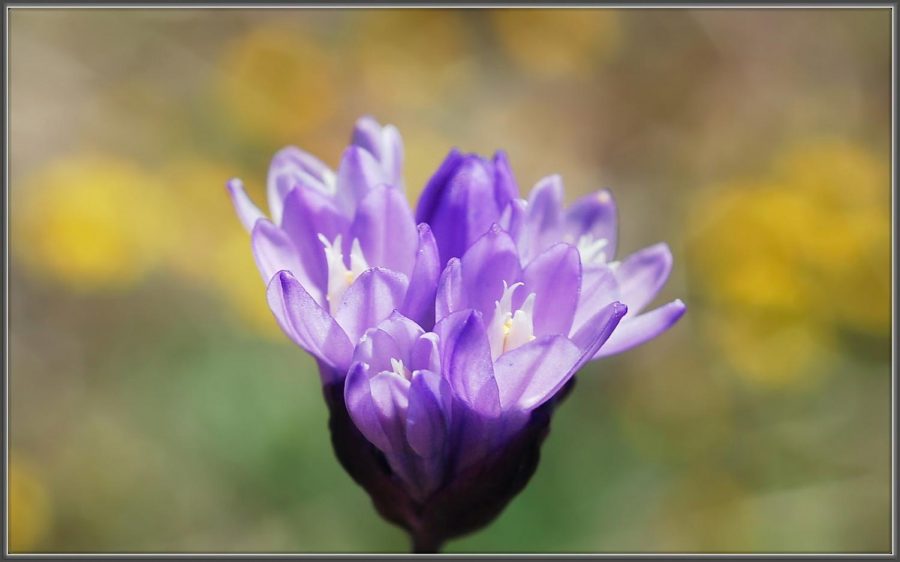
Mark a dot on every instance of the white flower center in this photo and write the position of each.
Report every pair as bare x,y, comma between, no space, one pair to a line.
509,329
399,368
593,251
339,277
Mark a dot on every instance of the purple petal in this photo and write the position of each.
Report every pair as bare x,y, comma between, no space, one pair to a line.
594,215
431,199
450,290
529,375
390,395
466,360
307,323
642,274
598,288
404,331
544,219
385,229
369,300
392,156
357,174
376,348
420,297
490,261
247,212
274,252
361,406
555,279
307,214
367,135
426,353
642,328
461,201
290,168
512,220
596,331
505,187
385,144
428,416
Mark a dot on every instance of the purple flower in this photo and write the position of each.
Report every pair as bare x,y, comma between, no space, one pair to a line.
438,403
589,225
340,251
444,347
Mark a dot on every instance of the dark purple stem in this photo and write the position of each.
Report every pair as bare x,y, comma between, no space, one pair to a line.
423,543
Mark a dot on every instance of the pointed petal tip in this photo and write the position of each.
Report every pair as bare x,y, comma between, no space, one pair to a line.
284,277
354,153
454,154
605,196
554,180
247,212
664,252
662,249
642,328
496,230
367,119
397,315
234,185
285,153
470,315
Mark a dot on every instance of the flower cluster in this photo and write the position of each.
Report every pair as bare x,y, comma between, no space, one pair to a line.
444,337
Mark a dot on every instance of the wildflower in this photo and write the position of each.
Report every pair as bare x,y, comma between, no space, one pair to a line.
793,263
444,347
347,242
539,223
452,410
80,222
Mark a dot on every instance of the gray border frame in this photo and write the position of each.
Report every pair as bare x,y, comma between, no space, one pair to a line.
462,4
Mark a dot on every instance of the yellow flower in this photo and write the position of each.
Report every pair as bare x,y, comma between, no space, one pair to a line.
557,42
795,258
29,506
92,222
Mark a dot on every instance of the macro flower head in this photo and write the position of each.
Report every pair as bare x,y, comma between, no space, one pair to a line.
582,237
444,345
347,243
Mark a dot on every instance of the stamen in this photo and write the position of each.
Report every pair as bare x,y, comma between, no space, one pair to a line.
339,277
592,251
399,368
510,329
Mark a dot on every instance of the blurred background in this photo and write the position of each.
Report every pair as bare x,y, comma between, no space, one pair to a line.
155,406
